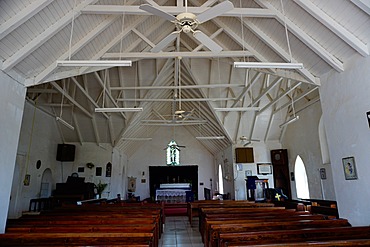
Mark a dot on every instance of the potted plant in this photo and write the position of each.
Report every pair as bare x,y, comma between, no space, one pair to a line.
100,187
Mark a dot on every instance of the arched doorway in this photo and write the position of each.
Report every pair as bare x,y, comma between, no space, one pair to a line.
301,181
220,180
46,183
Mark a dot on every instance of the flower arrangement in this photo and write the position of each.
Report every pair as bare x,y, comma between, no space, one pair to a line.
100,187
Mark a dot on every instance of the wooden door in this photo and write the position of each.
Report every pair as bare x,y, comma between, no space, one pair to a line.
280,164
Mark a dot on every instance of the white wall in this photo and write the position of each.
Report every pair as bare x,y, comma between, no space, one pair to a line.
152,153
345,101
12,96
302,138
261,153
43,147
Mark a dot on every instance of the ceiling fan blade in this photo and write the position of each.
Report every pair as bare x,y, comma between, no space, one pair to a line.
164,43
207,41
153,10
215,11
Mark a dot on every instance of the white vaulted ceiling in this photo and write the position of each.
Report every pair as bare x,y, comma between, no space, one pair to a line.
324,36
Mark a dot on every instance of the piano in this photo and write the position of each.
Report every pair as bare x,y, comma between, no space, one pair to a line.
75,189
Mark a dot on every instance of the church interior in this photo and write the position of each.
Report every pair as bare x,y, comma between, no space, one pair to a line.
171,103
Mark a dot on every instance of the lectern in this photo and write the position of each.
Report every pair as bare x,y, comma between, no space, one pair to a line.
256,188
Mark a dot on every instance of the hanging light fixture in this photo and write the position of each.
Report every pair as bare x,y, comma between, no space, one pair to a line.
268,65
263,65
292,120
94,63
117,109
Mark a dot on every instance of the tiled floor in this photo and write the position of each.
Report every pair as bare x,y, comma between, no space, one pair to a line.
179,233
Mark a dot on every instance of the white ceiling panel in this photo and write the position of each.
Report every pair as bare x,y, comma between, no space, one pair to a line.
31,47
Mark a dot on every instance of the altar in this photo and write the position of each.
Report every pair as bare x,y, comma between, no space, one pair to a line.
173,193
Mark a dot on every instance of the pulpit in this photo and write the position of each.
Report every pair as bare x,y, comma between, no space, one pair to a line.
256,188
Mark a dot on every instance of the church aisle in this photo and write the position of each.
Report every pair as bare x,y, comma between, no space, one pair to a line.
179,233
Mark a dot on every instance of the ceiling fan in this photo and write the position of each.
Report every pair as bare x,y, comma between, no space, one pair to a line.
188,22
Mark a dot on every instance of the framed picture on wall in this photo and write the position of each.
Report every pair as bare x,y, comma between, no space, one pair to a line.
349,168
264,168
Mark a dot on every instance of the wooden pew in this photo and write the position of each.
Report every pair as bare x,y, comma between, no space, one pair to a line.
207,212
327,243
292,236
193,207
248,212
75,239
137,226
216,230
258,219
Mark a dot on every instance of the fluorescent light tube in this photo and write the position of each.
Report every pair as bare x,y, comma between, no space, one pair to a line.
93,63
292,120
137,139
238,109
210,137
116,109
65,123
262,65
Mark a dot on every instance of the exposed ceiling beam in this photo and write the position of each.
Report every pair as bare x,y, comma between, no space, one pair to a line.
184,54
334,26
22,16
177,87
211,111
239,40
135,121
363,4
120,37
296,99
31,46
253,81
304,37
57,87
279,50
267,89
92,101
107,92
74,49
173,10
279,98
142,36
176,100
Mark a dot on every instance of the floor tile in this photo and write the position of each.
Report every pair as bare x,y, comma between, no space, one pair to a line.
179,233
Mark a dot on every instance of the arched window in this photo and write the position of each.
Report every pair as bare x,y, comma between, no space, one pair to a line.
301,182
173,154
323,143
220,180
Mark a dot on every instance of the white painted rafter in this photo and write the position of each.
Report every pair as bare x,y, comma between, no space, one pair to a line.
22,16
334,62
238,39
173,10
74,49
57,87
184,54
363,4
334,26
44,36
279,50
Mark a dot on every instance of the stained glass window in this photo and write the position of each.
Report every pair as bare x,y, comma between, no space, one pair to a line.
173,154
